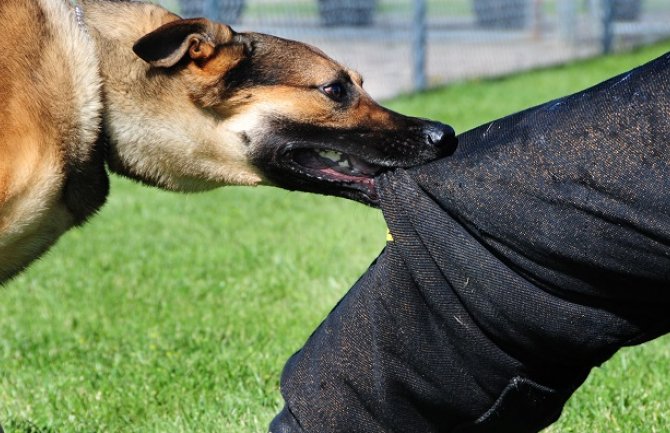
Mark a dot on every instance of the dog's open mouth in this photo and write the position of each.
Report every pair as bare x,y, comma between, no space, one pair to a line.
334,165
346,162
340,169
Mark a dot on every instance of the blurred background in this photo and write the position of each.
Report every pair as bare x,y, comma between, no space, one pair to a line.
402,46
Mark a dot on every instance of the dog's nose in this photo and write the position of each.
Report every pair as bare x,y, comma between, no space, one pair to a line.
441,136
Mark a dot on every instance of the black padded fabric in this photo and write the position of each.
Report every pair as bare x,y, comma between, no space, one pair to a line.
529,256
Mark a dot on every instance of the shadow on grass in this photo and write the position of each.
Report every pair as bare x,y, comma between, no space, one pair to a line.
25,426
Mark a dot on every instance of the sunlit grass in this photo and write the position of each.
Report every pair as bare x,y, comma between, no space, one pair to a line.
175,313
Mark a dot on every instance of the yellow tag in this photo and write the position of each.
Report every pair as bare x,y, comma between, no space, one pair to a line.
389,236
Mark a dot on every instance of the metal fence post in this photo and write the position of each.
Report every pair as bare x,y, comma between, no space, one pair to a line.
608,21
419,37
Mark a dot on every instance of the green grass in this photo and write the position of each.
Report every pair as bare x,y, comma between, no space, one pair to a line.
175,313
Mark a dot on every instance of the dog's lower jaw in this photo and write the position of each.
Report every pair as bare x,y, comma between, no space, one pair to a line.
364,190
357,188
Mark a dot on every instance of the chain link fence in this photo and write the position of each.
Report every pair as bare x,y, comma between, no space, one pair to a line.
404,45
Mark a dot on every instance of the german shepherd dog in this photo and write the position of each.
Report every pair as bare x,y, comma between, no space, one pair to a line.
184,105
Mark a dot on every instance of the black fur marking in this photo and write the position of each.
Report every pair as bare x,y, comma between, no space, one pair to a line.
87,184
280,157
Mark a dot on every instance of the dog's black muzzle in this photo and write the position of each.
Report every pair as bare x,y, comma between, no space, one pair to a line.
345,162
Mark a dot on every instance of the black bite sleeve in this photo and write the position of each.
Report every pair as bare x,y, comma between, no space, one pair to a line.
519,263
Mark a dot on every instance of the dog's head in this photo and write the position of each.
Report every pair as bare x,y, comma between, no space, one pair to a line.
302,120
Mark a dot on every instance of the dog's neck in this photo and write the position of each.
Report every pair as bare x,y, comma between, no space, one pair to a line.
150,122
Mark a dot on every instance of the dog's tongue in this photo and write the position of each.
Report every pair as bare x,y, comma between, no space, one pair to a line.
335,164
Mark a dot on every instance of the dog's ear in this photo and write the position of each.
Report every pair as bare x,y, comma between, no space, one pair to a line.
170,43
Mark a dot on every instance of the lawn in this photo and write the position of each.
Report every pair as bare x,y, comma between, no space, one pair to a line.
175,313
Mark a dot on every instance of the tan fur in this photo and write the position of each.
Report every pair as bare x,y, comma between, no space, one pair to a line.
51,81
50,109
140,132
130,86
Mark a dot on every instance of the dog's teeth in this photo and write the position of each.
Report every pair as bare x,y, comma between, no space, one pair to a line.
340,160
331,155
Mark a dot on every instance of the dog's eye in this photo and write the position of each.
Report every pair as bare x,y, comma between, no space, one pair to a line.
334,91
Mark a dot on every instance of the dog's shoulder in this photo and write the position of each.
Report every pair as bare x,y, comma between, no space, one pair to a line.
50,66
70,76
50,116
